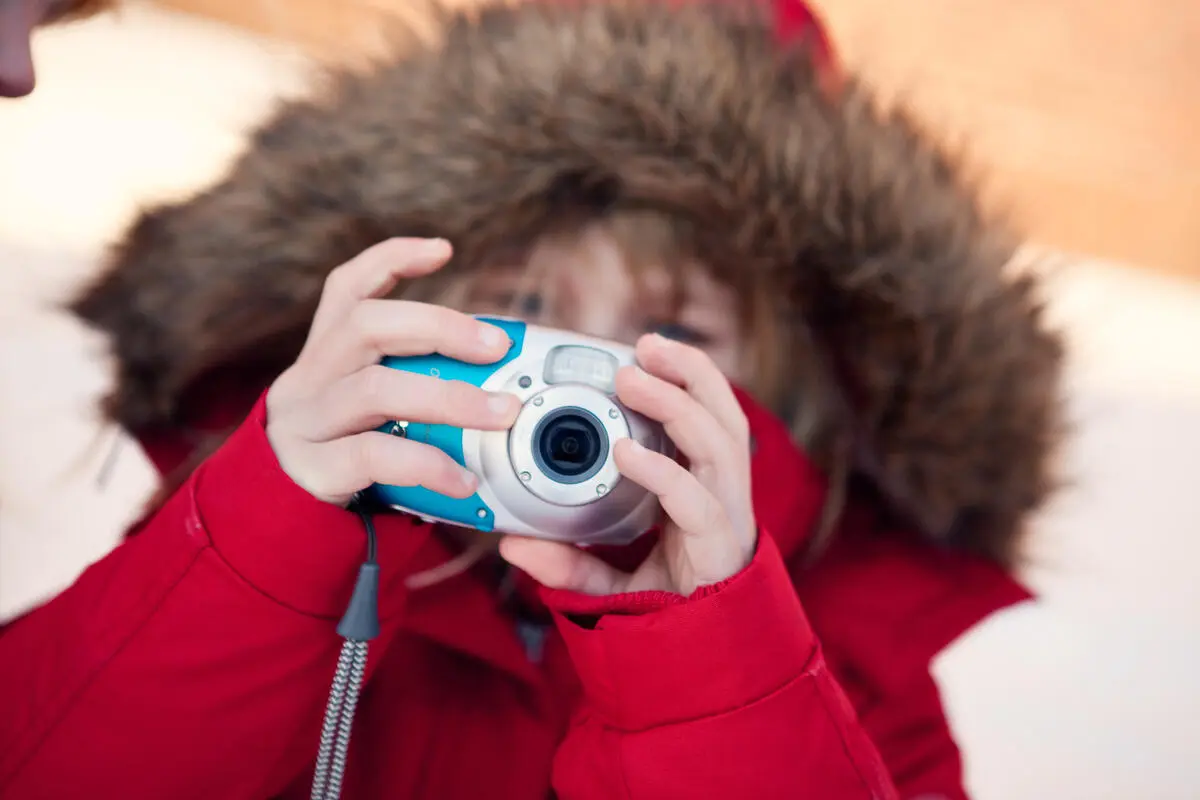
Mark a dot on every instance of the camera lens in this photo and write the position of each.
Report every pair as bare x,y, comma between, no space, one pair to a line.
570,445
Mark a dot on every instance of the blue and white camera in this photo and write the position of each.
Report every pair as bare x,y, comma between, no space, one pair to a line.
552,475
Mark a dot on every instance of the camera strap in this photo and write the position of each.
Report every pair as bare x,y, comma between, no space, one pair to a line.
358,626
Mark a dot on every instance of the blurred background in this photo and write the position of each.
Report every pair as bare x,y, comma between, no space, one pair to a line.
1079,115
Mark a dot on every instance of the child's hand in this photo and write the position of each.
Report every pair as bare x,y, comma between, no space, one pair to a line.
323,410
711,533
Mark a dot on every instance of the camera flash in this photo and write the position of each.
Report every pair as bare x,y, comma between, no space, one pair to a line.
579,364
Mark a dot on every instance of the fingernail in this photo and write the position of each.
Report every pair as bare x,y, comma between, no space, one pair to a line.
434,246
492,336
636,446
641,374
500,403
431,249
468,479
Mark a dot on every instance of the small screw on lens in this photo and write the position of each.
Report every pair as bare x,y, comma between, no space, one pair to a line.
525,382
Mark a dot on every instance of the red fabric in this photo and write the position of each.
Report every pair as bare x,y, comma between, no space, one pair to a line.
194,661
797,24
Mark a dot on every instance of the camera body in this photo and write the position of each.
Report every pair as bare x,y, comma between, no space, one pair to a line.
552,475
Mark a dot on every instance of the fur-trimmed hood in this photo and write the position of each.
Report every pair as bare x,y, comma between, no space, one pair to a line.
895,277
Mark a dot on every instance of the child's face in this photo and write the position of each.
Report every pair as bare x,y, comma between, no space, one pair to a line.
586,285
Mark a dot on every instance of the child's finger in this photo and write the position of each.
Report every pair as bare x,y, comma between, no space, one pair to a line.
715,549
688,503
334,471
373,273
376,394
558,565
377,328
694,430
692,369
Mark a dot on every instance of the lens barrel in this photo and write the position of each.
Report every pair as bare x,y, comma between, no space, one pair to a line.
570,445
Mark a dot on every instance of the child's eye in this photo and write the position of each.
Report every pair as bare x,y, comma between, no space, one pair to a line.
529,304
680,333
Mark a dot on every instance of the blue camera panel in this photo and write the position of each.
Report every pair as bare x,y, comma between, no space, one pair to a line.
471,511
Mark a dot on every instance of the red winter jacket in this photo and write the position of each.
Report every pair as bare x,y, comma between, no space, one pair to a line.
194,661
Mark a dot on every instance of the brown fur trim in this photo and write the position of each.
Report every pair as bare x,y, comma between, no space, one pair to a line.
516,118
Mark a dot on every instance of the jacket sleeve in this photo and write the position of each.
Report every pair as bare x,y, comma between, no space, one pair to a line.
719,695
194,660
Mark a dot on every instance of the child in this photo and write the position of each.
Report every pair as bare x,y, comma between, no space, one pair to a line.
623,170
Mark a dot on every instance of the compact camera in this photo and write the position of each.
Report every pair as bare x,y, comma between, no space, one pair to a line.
552,475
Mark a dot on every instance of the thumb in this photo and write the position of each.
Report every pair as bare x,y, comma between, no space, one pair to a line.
557,565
